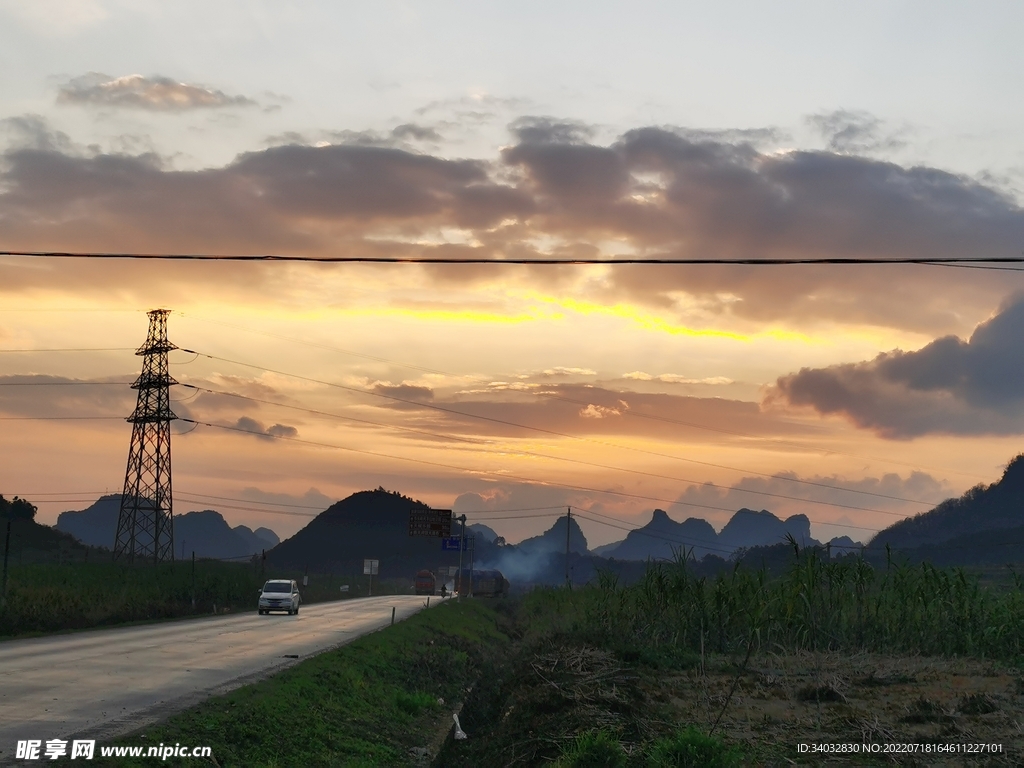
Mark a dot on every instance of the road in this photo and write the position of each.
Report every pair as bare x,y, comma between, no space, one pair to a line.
100,684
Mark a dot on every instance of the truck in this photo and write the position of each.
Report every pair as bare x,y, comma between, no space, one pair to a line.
424,583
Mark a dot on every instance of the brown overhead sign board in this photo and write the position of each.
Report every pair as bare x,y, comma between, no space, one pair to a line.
430,522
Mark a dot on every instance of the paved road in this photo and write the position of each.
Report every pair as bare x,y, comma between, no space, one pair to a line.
103,683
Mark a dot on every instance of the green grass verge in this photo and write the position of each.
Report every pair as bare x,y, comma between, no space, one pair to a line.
367,703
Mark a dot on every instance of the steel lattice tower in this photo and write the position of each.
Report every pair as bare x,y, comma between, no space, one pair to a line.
145,527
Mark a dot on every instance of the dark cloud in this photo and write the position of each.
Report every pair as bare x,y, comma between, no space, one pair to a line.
548,130
754,136
40,395
950,386
34,132
250,425
584,410
660,192
825,499
404,391
414,132
150,93
855,132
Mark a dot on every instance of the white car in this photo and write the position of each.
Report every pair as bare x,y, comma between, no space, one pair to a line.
280,595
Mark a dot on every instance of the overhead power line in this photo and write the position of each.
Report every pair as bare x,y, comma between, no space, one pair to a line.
505,422
63,383
75,349
562,398
62,418
537,455
751,262
501,475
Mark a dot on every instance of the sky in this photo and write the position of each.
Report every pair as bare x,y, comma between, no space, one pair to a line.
856,395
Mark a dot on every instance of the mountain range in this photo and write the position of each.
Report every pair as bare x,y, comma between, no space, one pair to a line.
984,526
663,537
205,532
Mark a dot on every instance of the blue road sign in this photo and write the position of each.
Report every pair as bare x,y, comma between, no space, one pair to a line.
452,543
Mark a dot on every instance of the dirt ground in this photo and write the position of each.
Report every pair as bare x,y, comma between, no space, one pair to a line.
779,702
526,714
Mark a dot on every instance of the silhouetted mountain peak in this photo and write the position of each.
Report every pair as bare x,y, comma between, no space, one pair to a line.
660,516
983,508
748,528
205,532
553,539
365,506
1013,475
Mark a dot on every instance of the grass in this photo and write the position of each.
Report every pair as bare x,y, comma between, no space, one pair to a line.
818,604
677,669
370,702
674,669
52,597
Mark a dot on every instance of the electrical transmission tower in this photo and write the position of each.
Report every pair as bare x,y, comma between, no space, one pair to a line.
145,527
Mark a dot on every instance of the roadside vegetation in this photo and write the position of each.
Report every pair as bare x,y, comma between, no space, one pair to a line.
385,699
674,669
681,670
68,595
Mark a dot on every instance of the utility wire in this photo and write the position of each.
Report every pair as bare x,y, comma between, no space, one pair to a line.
551,395
766,262
61,418
443,409
502,475
62,383
75,349
535,454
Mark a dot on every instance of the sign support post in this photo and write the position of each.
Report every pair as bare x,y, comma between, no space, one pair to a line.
462,546
370,568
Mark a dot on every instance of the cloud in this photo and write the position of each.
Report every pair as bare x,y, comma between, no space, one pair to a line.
554,191
40,395
950,386
854,132
560,370
585,409
33,132
547,130
675,378
160,94
825,499
414,132
250,425
404,391
599,412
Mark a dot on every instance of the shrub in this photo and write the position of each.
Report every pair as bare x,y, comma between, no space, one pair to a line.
413,703
595,749
690,748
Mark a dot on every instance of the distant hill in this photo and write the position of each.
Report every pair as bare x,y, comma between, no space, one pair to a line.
368,525
984,548
540,559
33,542
842,545
663,536
748,528
206,532
985,511
482,531
553,540
95,525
